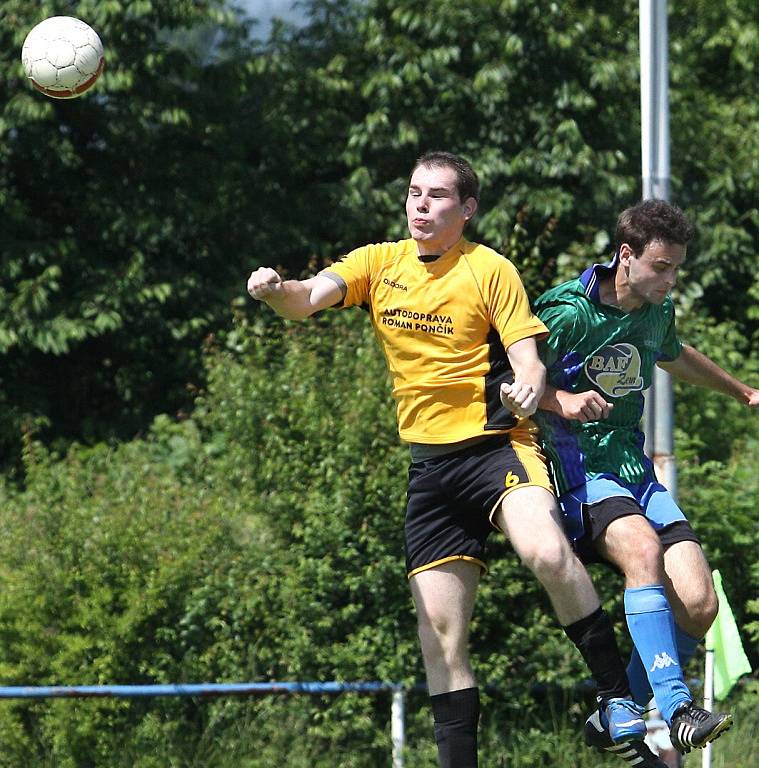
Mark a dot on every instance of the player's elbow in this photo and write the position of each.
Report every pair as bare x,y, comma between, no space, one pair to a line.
296,313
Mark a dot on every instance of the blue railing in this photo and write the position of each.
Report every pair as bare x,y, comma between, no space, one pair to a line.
189,689
397,713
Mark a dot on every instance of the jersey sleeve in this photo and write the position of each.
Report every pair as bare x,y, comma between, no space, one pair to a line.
354,271
509,307
671,346
560,320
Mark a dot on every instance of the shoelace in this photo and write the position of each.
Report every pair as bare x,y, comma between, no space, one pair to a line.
692,714
626,705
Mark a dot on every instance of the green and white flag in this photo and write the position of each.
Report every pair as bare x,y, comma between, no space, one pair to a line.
730,661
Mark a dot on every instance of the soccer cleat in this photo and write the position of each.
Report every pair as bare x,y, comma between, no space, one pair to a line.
634,753
693,727
623,719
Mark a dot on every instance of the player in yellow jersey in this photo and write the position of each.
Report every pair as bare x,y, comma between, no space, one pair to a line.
455,325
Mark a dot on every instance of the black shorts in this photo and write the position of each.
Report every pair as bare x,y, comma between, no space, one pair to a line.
452,498
598,516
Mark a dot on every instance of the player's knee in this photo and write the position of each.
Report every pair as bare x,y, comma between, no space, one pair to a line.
440,638
638,555
705,617
434,629
703,612
549,559
430,642
649,553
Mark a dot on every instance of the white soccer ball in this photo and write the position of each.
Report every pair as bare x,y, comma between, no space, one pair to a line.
62,57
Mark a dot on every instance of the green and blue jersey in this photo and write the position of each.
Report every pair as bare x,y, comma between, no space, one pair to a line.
592,345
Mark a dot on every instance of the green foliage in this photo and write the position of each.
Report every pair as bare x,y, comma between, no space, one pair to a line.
720,500
115,252
133,214
259,540
716,146
96,577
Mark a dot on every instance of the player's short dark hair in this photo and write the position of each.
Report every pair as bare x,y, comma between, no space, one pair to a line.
649,221
467,183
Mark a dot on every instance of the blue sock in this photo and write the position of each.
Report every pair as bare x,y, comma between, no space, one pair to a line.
652,628
636,672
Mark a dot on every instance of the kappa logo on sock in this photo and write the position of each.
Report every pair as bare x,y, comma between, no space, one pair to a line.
662,661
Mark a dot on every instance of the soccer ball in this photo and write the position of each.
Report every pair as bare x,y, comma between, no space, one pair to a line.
62,57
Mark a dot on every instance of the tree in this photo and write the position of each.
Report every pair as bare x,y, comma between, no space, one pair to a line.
115,250
203,154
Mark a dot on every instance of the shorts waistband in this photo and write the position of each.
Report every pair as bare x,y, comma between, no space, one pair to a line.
423,451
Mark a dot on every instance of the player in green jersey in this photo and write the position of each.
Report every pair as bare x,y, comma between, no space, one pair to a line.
609,327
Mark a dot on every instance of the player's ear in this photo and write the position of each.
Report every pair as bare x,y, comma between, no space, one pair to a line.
625,253
469,207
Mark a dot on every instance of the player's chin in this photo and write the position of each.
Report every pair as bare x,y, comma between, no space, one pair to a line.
658,297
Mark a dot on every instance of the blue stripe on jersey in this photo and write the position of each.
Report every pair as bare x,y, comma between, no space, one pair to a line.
568,369
563,446
591,277
563,443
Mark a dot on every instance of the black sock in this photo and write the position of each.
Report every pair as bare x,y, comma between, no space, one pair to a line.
595,639
456,714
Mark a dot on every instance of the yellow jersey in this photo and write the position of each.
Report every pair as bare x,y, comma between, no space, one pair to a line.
444,326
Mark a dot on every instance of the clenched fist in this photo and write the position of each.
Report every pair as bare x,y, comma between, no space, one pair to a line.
264,282
519,398
584,406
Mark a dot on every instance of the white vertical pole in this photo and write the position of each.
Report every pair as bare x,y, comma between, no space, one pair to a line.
648,160
647,95
706,755
397,726
655,171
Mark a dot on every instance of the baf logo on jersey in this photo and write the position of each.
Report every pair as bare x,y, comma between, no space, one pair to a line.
615,369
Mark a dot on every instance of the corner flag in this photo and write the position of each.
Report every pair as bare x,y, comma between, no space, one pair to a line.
730,661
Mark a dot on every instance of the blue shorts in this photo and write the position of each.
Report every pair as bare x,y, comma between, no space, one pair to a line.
589,508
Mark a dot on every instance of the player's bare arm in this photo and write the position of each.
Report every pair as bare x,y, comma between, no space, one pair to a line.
293,299
580,406
522,397
693,367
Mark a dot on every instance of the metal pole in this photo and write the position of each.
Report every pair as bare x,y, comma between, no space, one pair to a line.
397,726
647,158
706,755
655,171
188,689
